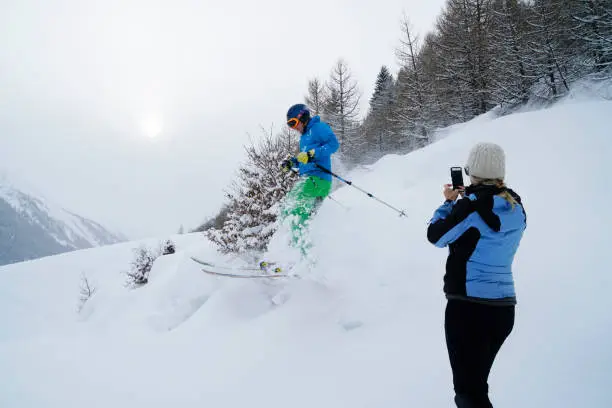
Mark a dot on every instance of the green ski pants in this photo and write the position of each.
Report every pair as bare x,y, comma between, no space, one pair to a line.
301,202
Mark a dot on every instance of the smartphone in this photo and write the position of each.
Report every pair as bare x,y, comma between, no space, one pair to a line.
456,177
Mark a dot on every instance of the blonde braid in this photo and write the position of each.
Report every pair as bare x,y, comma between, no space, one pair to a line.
509,198
506,194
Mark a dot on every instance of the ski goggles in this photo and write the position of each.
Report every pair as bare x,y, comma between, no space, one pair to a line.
293,122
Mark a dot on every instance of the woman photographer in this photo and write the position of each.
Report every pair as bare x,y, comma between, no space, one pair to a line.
482,230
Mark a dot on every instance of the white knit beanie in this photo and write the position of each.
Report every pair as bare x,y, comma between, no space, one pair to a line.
487,161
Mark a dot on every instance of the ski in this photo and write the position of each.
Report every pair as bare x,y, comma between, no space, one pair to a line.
263,266
245,276
226,267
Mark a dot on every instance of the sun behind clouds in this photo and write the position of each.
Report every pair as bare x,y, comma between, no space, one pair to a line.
151,127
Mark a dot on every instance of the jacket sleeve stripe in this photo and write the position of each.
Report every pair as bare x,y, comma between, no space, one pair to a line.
454,233
439,229
442,212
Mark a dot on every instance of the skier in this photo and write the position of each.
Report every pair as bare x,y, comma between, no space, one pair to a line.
483,231
317,143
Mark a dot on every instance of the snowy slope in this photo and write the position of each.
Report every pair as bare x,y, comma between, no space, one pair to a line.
365,329
33,227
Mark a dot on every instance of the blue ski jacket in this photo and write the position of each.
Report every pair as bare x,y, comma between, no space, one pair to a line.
483,232
320,137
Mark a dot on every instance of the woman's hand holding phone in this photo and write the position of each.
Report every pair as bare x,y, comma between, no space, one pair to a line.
451,194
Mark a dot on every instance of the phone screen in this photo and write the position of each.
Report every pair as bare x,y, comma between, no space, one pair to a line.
457,177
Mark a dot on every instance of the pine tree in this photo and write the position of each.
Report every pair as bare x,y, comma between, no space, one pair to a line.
288,140
141,266
331,109
315,100
435,106
343,105
381,97
550,42
593,30
376,126
413,94
254,196
464,58
167,247
512,76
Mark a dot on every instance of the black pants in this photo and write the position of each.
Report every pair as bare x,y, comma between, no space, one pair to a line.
474,335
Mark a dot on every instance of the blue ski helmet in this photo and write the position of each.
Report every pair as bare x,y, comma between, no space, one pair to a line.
299,111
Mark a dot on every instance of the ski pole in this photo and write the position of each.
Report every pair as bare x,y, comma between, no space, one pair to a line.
350,183
338,202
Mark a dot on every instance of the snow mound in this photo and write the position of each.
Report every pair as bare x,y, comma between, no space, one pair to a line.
362,329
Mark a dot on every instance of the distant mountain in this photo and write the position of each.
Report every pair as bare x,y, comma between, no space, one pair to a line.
32,227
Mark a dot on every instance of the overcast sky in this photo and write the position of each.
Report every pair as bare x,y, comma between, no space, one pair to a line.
82,82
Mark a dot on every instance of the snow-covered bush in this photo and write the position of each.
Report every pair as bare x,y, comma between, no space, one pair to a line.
168,248
144,258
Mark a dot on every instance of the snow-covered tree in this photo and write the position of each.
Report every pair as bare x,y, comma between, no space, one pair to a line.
168,247
377,127
255,194
138,274
512,73
214,222
331,108
143,261
464,57
411,116
555,61
381,106
316,97
342,108
593,31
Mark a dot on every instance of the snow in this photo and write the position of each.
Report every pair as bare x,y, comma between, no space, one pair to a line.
365,327
11,196
78,230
